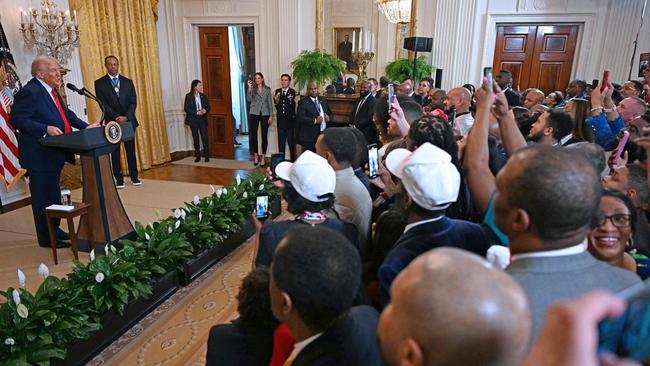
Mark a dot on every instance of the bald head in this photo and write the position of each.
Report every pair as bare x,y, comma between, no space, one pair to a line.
533,98
459,98
432,321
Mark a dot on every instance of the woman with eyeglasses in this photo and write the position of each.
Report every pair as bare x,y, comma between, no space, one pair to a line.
611,240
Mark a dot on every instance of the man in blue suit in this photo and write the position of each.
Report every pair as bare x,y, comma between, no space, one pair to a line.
38,112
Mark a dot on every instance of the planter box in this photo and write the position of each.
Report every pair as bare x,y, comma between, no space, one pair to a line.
114,325
200,263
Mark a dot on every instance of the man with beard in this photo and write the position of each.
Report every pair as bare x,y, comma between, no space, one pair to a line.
551,127
362,113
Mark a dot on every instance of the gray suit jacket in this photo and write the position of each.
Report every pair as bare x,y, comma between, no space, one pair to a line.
549,280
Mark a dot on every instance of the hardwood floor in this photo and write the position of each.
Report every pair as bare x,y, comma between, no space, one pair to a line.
193,174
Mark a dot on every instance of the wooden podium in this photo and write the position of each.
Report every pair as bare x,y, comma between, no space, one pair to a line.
110,223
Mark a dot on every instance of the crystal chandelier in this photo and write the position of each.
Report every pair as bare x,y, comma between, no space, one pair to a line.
53,32
396,11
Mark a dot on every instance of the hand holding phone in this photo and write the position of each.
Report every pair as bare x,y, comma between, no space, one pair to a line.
605,80
391,96
621,146
373,161
262,206
487,72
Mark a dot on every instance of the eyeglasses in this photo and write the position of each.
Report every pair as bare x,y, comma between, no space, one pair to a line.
618,220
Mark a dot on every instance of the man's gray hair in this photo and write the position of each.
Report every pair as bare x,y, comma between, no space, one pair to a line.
40,61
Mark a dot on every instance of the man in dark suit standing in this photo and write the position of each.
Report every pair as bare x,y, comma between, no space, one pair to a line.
285,106
504,79
319,312
362,113
38,112
313,116
117,94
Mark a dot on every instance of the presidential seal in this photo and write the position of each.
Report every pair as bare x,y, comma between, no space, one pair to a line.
113,132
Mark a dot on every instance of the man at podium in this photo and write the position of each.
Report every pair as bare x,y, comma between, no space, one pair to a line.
39,111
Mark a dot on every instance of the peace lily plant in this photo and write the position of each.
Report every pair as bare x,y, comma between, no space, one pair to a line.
35,327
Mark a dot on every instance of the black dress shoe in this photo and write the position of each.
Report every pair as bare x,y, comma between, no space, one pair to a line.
207,159
62,236
197,159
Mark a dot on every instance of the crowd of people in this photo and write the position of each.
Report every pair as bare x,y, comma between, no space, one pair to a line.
497,230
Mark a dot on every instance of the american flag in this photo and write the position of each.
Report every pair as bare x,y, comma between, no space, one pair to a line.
10,170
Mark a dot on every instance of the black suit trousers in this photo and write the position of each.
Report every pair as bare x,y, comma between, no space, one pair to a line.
116,160
253,124
45,190
200,129
286,135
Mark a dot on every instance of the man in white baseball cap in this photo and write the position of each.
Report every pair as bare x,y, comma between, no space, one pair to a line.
309,185
428,183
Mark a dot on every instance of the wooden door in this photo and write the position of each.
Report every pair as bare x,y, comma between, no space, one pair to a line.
215,63
539,56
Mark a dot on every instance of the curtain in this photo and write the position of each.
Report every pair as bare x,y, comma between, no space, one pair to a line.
237,84
127,29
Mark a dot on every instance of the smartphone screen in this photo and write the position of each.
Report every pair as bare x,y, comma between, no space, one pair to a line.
487,72
594,84
373,162
275,160
605,80
391,95
629,335
262,206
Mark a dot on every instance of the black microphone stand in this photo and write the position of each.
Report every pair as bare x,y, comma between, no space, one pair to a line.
101,105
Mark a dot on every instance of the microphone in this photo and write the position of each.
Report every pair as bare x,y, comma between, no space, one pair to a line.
75,89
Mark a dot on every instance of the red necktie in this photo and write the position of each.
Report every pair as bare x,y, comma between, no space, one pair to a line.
66,124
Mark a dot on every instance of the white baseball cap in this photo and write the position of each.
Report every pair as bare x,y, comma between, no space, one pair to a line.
310,175
427,174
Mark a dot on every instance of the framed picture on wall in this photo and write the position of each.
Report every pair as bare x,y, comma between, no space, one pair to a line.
644,62
343,40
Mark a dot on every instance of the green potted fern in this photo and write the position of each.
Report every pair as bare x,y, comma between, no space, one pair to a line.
402,69
317,66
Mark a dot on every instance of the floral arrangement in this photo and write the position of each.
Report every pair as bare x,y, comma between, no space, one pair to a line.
37,327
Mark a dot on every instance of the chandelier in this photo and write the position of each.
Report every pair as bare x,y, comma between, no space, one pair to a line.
53,32
396,11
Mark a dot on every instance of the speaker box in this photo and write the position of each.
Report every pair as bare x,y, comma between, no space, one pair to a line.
438,79
418,44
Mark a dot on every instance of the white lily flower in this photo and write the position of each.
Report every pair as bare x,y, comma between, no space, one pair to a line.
177,213
107,250
225,190
43,270
219,192
238,179
22,311
16,295
261,188
99,277
146,236
196,200
10,342
212,188
245,195
178,224
200,216
251,183
183,214
169,230
21,278
92,255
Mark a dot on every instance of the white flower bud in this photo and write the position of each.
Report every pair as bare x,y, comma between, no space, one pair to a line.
10,342
238,179
169,230
219,192
200,216
212,188
16,295
21,278
146,236
225,190
196,200
261,187
177,213
22,311
245,195
92,255
178,224
183,214
99,277
43,270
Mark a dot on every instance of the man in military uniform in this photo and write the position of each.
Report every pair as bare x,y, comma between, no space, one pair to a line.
285,105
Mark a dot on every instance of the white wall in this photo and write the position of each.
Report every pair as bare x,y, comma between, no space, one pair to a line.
282,30
10,18
464,33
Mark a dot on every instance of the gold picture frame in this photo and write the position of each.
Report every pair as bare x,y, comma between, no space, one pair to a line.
338,38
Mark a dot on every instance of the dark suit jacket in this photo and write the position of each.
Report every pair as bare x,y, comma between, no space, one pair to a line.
548,280
233,344
362,119
417,98
32,112
444,232
191,117
351,341
514,99
115,106
285,108
307,113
